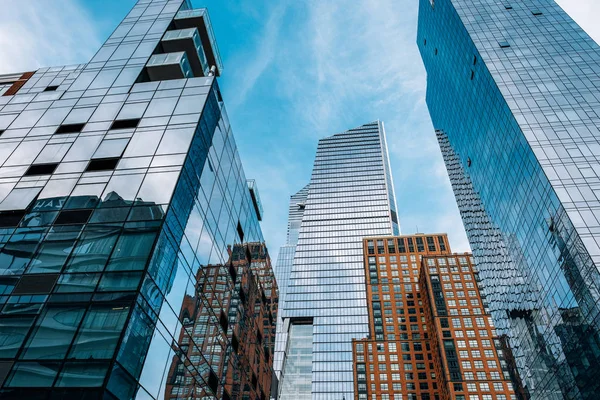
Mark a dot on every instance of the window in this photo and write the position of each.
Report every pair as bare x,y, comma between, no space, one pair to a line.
12,334
69,128
111,148
103,164
420,245
19,199
132,250
125,123
44,342
77,374
51,88
32,374
54,250
120,281
430,244
240,231
93,249
99,333
41,169
503,44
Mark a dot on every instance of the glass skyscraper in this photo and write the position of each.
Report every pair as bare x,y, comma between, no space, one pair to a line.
285,260
513,91
132,263
350,196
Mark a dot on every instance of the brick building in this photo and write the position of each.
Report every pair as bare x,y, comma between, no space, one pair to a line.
431,336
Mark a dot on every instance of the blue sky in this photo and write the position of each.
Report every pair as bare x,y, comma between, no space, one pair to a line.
295,71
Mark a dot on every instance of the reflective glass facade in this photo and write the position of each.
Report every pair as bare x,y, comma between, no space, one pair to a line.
285,260
132,264
350,196
512,89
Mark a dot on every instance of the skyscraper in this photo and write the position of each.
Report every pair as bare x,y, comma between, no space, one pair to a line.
132,263
285,260
512,89
350,196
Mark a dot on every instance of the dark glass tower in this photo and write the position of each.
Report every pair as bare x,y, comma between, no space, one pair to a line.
132,264
350,196
512,89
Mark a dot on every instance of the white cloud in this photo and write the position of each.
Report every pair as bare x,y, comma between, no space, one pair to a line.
258,59
585,13
40,33
341,64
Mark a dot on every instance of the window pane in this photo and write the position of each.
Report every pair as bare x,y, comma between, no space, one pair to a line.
53,334
106,112
53,153
143,143
85,196
111,148
19,199
33,374
26,153
55,249
12,334
77,283
160,107
17,253
54,194
176,141
120,281
99,333
83,148
121,190
87,374
132,250
93,249
157,187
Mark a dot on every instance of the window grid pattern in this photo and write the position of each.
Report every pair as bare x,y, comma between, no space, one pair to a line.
350,197
132,260
524,175
283,268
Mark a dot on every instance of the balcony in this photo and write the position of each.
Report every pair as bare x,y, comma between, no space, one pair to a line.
199,19
253,188
188,41
167,66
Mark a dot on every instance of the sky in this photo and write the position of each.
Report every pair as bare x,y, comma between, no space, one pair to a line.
294,72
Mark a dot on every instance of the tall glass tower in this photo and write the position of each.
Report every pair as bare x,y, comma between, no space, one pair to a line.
132,264
350,196
285,261
513,92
